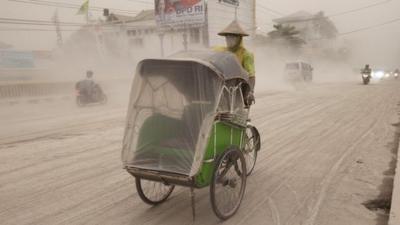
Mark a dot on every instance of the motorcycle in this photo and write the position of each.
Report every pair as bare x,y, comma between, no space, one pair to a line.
83,97
365,78
396,75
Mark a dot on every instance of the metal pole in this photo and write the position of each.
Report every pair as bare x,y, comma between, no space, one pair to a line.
255,17
206,36
58,30
236,13
193,200
161,36
185,41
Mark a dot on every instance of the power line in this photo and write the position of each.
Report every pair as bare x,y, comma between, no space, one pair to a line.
33,22
86,28
346,12
363,28
103,27
271,10
33,29
370,27
143,2
36,22
69,5
107,26
78,6
359,9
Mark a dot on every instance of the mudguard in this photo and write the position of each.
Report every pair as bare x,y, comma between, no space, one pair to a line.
257,134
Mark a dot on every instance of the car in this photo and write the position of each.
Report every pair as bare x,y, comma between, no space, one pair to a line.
298,71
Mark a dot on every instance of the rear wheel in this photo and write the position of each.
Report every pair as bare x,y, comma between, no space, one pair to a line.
103,99
152,192
79,101
228,183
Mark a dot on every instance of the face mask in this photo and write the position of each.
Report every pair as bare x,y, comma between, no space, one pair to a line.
232,41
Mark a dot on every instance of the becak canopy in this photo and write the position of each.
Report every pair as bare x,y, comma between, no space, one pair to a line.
172,109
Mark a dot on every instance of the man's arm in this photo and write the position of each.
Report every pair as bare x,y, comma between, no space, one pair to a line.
248,64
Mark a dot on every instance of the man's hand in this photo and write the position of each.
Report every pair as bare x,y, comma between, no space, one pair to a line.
250,98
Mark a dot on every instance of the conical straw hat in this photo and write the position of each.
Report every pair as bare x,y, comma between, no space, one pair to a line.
233,28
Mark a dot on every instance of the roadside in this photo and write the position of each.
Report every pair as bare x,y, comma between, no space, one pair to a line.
394,217
6,102
362,188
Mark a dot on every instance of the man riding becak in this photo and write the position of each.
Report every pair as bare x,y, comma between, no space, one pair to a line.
234,34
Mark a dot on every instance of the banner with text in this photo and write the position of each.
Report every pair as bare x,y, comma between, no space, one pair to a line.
180,13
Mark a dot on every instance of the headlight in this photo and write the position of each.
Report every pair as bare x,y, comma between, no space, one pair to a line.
379,74
365,75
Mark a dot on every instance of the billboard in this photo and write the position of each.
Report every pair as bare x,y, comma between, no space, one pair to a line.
231,2
180,13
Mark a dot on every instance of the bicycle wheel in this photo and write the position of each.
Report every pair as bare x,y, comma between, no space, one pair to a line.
228,183
251,148
103,99
80,101
152,192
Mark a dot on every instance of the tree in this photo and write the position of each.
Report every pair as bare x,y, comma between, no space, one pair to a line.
286,35
324,26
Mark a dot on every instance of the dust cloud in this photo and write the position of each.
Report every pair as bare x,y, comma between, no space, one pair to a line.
342,64
270,69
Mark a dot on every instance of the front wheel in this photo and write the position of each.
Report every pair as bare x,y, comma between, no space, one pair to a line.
251,147
228,183
152,192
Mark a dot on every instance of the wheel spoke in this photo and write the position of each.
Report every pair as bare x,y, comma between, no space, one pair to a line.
250,151
228,183
153,192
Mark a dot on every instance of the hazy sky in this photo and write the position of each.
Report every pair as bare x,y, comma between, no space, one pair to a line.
383,37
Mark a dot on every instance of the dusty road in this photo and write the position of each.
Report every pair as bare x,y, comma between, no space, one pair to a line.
326,150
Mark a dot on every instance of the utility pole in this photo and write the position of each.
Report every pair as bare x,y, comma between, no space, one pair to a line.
161,36
255,17
206,38
58,30
185,41
236,12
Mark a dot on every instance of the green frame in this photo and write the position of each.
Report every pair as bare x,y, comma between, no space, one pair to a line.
223,135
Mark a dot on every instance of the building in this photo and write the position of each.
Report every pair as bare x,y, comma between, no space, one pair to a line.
145,35
312,27
319,33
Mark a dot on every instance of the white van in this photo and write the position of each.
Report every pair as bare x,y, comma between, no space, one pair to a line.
299,71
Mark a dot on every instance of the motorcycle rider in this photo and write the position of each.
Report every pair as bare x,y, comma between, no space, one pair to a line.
87,86
367,70
234,34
